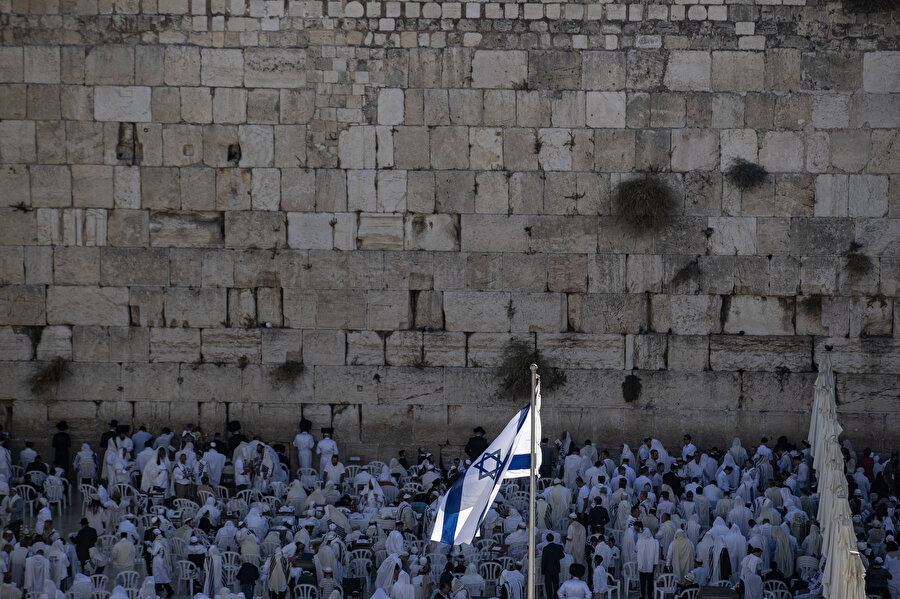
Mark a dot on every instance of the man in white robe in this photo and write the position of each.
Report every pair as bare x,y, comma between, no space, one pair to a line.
304,442
750,568
37,572
216,463
575,536
325,448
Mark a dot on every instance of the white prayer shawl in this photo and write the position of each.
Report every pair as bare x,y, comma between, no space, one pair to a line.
37,571
749,574
784,552
212,570
216,463
225,538
384,577
740,515
737,547
380,594
304,442
82,587
402,588
296,496
277,572
629,542
209,510
692,530
680,556
719,529
151,474
160,564
325,448
559,499
59,562
812,544
623,514
323,559
570,469
737,452
575,546
148,589
513,585
646,552
666,535
715,572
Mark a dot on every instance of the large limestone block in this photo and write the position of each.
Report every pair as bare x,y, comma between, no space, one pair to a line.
737,71
230,345
174,345
574,350
607,312
340,309
324,348
688,70
820,236
442,348
310,230
685,314
881,72
256,229
861,355
866,393
748,353
356,147
134,266
781,152
104,306
17,142
210,383
15,344
365,348
122,104
436,232
282,345
77,266
404,348
221,67
354,385
499,69
274,67
732,235
695,150
55,341
411,386
753,315
380,231
477,311
538,312
96,382
489,349
150,382
388,310
557,233
390,106
204,307
171,229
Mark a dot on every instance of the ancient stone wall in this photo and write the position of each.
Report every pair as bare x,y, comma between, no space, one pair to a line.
193,193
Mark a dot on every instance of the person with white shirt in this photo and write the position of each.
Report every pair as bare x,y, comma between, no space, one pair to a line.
182,476
600,577
325,448
304,442
574,588
394,541
334,472
688,448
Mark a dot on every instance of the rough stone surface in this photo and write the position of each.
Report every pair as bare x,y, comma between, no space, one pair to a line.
389,193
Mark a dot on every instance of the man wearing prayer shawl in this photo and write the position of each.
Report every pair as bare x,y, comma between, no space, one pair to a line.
387,572
212,570
403,588
325,448
750,569
647,557
277,573
37,570
680,556
575,537
59,562
304,442
737,547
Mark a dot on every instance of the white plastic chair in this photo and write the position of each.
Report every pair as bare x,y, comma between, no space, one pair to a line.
306,591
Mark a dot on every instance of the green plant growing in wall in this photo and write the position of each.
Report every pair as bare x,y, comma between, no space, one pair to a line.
515,378
49,376
745,174
857,264
646,203
288,372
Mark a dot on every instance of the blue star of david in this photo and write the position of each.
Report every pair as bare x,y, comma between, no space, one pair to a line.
484,471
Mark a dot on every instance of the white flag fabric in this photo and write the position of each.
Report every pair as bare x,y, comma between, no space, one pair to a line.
462,509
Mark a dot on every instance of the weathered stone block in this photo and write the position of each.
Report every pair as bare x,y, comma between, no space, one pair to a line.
607,312
324,348
737,71
685,314
76,266
881,72
221,67
356,148
230,345
554,70
759,315
274,67
109,65
255,229
751,353
688,353
174,345
694,149
380,231
688,71
404,348
204,307
437,232
365,348
169,229
570,350
603,70
103,306
605,110
122,104
538,312
477,311
499,69
781,152
488,349
861,355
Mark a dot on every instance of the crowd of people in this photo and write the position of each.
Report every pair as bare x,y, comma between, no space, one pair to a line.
227,516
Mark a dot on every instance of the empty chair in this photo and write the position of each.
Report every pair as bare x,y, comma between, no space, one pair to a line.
689,594
807,566
99,581
490,571
774,585
630,576
665,586
188,573
306,591
129,579
29,497
613,586
56,495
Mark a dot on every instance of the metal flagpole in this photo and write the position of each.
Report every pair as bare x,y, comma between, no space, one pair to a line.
531,522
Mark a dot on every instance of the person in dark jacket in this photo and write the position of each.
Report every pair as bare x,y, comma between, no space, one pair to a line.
598,517
877,579
477,444
84,540
105,437
551,555
247,576
61,444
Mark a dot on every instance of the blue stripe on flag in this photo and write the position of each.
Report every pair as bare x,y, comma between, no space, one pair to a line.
451,512
520,462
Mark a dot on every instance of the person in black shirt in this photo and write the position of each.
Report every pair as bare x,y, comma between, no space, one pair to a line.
477,444
105,437
402,459
551,555
598,517
447,575
61,444
84,540
548,459
671,478
247,576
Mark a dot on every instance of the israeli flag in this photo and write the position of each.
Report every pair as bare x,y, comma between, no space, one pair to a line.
462,509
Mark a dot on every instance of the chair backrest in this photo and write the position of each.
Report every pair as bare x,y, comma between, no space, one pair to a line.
666,581
26,492
306,591
187,570
126,490
99,581
689,594
54,493
249,495
129,579
360,567
720,583
807,566
774,585
490,571
100,594
629,570
231,559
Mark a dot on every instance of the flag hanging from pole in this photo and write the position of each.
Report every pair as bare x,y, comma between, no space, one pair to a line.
462,509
